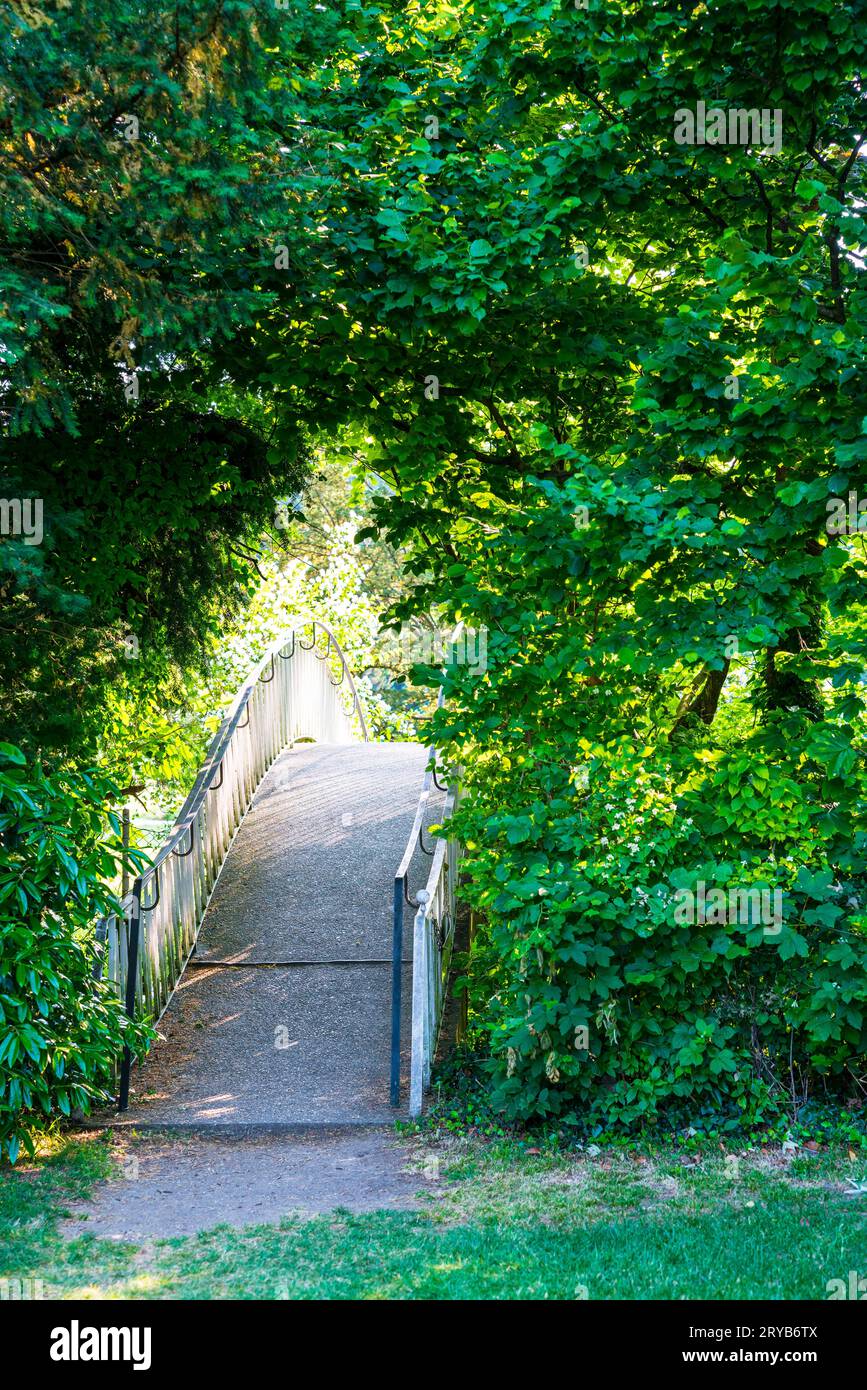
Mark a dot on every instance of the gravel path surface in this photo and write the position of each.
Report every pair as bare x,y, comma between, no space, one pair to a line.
170,1186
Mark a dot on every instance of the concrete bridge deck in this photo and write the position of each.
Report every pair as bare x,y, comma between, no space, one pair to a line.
282,1018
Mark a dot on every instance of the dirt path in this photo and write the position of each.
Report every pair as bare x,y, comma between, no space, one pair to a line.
177,1185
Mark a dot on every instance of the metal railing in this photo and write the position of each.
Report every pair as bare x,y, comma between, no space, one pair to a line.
293,694
402,895
433,935
433,939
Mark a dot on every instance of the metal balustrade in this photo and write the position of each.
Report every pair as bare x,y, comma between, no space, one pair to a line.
433,937
401,896
433,940
303,689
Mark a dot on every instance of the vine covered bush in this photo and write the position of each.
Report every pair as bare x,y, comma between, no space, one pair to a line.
672,909
599,997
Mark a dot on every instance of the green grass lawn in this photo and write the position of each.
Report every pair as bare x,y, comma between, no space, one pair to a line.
497,1223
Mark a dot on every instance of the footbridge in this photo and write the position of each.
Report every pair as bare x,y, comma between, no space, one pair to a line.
291,938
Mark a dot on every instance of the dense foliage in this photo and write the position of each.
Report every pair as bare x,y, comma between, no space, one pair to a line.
147,159
144,180
617,381
144,184
609,384
61,1030
140,560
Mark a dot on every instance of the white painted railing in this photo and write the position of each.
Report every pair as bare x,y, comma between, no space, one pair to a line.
303,689
433,940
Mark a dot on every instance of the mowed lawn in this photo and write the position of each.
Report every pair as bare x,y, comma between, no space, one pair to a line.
495,1222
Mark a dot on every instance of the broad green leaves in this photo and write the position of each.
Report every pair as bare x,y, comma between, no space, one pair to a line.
61,1031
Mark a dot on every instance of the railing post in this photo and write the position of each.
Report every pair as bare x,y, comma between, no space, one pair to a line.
131,984
124,881
396,982
420,997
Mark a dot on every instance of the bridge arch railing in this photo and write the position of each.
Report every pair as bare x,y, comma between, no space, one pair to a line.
433,942
302,689
403,895
433,933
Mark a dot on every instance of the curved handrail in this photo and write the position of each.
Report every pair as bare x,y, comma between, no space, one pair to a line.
433,939
222,738
415,835
430,780
263,719
346,671
402,895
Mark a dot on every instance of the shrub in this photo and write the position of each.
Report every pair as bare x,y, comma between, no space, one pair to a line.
608,983
61,1031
